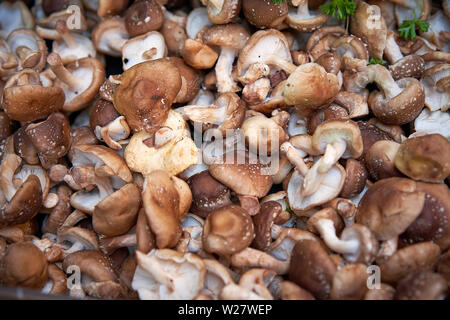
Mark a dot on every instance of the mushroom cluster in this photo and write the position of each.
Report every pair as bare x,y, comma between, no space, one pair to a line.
225,149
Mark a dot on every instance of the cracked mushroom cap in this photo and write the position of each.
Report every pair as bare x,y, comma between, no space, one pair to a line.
146,47
422,285
312,268
166,274
208,194
226,10
390,206
433,223
333,131
227,230
310,86
51,138
161,203
143,16
117,213
144,155
23,265
26,99
241,176
368,24
404,261
146,93
425,158
265,13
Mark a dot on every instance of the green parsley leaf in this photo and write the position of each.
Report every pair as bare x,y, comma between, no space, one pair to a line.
376,61
408,28
340,9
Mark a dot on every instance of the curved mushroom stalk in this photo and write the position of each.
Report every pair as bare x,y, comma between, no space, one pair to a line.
110,35
328,233
224,68
253,258
114,133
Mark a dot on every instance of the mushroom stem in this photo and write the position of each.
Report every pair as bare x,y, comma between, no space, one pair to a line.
392,50
280,63
382,77
328,233
302,7
224,68
56,64
205,114
295,158
104,186
66,34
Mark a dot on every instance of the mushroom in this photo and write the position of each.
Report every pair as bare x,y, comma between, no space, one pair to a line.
242,176
8,61
26,99
433,81
253,258
379,160
421,285
190,81
424,158
173,30
429,122
404,10
230,38
291,291
23,265
254,284
350,282
222,12
263,223
173,152
198,55
145,239
384,292
97,276
29,48
161,203
312,268
208,194
399,102
148,46
217,277
74,239
167,274
304,20
227,230
60,212
57,281
265,13
143,98
110,35
355,178
390,206
419,256
143,16
80,80
14,15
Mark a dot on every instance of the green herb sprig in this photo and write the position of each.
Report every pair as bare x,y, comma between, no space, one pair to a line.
376,61
408,28
341,9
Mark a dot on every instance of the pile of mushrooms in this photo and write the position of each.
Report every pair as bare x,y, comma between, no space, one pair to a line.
113,166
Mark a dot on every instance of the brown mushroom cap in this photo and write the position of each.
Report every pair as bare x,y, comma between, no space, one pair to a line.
433,223
58,278
355,178
143,16
145,239
425,158
102,114
263,222
190,81
146,93
379,160
410,66
23,265
227,230
198,55
117,213
310,86
228,10
265,13
60,212
25,99
390,206
409,259
291,291
230,35
208,194
350,282
161,202
421,285
385,292
312,268
243,178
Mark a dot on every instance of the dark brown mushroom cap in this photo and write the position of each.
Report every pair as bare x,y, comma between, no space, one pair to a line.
24,147
409,259
263,222
146,93
379,160
145,239
425,158
291,291
23,265
24,205
371,134
7,126
410,66
243,178
228,11
174,35
208,194
27,100
265,13
401,109
60,212
390,206
330,62
433,223
51,137
355,178
230,35
421,285
443,265
332,112
312,268
143,16
117,213
92,263
350,282
58,278
227,230
102,114
191,81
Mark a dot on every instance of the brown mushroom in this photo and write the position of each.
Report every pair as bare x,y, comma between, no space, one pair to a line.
265,13
143,16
